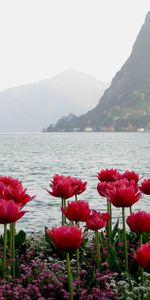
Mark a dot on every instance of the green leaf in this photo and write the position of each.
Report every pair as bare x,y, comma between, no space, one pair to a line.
84,244
113,260
102,239
115,230
20,238
47,238
145,237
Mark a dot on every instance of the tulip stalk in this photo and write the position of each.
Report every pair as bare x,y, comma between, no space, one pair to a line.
10,243
110,211
4,250
77,254
98,251
109,225
125,239
63,205
69,277
13,250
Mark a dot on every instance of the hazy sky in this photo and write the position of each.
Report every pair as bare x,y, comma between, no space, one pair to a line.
41,38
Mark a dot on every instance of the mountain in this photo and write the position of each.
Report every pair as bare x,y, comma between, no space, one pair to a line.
125,105
31,107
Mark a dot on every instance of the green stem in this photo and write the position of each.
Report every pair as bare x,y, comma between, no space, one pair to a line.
64,208
110,211
77,253
13,250
11,246
11,242
69,277
125,240
4,250
76,199
108,225
130,210
62,215
98,251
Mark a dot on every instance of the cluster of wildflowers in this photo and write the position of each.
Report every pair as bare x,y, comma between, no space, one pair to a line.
48,280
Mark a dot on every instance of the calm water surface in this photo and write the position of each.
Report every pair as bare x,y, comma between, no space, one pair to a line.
35,157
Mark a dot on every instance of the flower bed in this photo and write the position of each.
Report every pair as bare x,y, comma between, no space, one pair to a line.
92,261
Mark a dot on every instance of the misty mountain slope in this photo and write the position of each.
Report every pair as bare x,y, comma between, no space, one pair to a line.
126,103
31,107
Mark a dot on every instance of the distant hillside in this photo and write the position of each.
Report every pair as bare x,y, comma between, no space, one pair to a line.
125,105
31,107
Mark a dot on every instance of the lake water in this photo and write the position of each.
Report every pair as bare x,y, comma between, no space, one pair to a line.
35,157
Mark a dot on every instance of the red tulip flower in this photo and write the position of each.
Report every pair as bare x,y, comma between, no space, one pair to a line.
145,186
10,212
12,189
78,186
106,188
108,175
61,187
139,221
124,193
101,188
97,220
131,175
106,217
66,237
142,256
77,211
121,182
12,199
